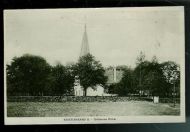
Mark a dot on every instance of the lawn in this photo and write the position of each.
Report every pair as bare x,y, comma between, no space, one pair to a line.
65,109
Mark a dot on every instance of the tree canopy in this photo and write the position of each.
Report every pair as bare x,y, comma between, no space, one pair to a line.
150,78
63,80
90,72
28,74
32,75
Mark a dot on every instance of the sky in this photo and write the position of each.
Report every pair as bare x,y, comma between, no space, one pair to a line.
115,35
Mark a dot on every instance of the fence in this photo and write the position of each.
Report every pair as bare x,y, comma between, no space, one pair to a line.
84,99
169,100
74,99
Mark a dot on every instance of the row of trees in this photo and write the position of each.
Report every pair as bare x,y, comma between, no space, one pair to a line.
32,75
149,78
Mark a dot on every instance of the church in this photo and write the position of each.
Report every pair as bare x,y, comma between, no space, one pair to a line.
113,73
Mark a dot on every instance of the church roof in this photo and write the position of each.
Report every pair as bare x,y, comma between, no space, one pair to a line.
85,47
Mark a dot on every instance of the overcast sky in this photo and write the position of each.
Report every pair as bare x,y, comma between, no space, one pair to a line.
116,36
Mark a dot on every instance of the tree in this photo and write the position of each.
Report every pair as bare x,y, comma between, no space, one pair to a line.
28,75
171,72
140,60
126,84
63,80
152,79
90,72
140,71
155,83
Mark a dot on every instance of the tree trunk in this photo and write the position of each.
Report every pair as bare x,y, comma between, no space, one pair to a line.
85,92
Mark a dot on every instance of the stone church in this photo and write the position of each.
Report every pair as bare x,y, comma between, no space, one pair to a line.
114,74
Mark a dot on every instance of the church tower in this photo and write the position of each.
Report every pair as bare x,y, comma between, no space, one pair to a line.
78,90
85,47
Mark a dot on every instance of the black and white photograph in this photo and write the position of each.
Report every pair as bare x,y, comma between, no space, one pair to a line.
94,65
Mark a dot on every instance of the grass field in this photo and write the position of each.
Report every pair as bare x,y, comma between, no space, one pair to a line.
65,109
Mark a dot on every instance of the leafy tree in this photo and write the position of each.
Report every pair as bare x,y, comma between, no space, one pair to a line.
126,85
112,88
90,72
171,72
154,83
140,71
28,75
152,79
139,63
63,80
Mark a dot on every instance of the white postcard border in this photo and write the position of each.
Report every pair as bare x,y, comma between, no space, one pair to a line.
106,119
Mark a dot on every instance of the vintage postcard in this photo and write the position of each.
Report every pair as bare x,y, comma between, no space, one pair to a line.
94,65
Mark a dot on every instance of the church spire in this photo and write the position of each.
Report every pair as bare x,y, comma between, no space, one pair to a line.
85,46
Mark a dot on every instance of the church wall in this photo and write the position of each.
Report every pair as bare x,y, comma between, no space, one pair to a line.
98,91
119,75
109,72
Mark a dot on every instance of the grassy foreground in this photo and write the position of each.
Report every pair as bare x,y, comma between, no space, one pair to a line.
66,109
